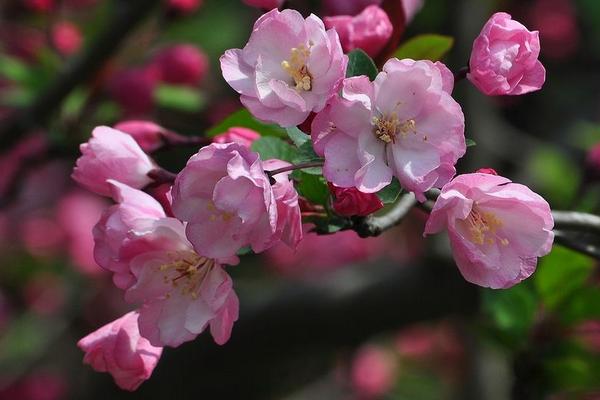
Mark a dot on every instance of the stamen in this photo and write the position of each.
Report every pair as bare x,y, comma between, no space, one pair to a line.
387,128
190,269
296,67
483,228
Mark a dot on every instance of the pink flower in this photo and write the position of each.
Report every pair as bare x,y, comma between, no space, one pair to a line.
490,171
146,133
289,219
373,372
504,60
118,348
370,30
224,189
183,64
182,294
351,201
558,26
77,213
404,124
264,4
133,89
239,135
497,229
40,5
137,224
185,6
411,8
66,37
347,7
290,67
111,154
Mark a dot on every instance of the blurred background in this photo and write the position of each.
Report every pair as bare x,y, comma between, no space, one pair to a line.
344,317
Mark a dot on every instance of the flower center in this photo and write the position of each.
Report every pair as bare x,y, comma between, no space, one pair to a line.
216,213
297,69
186,272
483,227
387,128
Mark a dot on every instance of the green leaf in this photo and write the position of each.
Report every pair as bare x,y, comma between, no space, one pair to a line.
305,154
425,47
313,188
359,63
244,119
390,193
272,147
512,312
470,142
179,98
560,274
582,305
297,136
14,69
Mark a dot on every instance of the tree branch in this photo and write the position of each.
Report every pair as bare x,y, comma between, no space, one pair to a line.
128,14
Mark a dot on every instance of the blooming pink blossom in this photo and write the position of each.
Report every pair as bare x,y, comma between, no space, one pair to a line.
183,64
558,26
118,348
289,220
351,201
111,154
504,60
370,30
289,68
224,189
147,134
137,224
264,4
404,124
373,372
182,294
497,228
66,37
239,135
185,6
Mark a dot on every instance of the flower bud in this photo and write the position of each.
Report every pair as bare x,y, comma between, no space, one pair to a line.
489,171
351,201
504,60
239,135
182,64
373,372
66,38
146,133
133,89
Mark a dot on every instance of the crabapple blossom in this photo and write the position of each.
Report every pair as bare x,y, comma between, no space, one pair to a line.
504,60
180,291
66,37
239,135
490,171
404,124
373,371
497,228
185,6
289,68
118,348
370,30
351,201
289,220
135,225
223,188
265,4
133,89
111,154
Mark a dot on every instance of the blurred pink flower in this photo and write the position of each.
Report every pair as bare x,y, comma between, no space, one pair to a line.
111,154
497,228
223,188
559,29
504,60
66,37
41,235
133,89
290,67
347,7
370,30
264,4
589,334
77,213
351,201
489,171
40,5
21,41
12,160
239,135
118,348
183,64
373,372
404,124
185,6
37,386
45,293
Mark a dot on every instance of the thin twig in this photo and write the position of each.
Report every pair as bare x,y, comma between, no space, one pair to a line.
293,167
461,74
161,175
375,225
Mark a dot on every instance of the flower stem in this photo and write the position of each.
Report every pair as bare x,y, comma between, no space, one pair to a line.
161,175
293,167
461,74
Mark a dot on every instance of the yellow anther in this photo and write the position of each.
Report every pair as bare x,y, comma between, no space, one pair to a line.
296,67
387,128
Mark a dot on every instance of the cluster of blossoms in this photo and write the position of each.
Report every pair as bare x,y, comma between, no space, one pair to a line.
170,254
